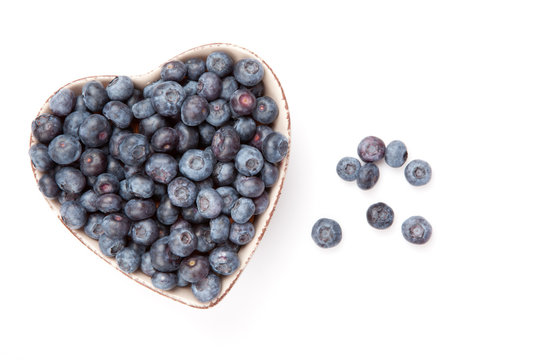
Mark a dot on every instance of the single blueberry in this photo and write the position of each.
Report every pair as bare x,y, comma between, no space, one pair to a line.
194,268
48,187
106,183
209,86
188,137
229,196
73,121
257,90
248,72
205,184
162,257
204,239
115,167
79,104
46,127
195,68
269,174
249,161
167,213
191,88
134,150
224,173
380,216
371,149
249,186
167,98
116,225
138,209
141,186
110,246
94,96
241,234
182,242
326,233
192,215
62,102
206,134
266,110
143,109
173,71
88,201
224,260
114,142
182,192
242,102
128,260
396,154
70,180
162,168
146,265
39,155
367,176
165,139
418,172
124,192
93,226
261,203
164,280
348,168
209,203
194,110
219,229
228,86
225,144
219,63
207,289
95,131
416,230
134,98
144,232
275,147
109,203
243,209
120,88
245,127
93,162
73,214
261,133
119,113
196,165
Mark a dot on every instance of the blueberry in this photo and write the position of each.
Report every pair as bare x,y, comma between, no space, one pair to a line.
79,104
261,203
416,230
46,127
94,96
248,161
209,203
195,68
261,133
206,183
326,233
225,144
128,260
146,265
162,168
114,142
181,282
207,289
257,90
95,131
269,174
229,196
181,224
109,203
137,209
162,257
149,89
371,149
124,192
194,110
164,280
348,168
396,154
196,165
242,102
148,126
266,110
173,71
143,109
224,173
70,180
73,214
249,186
245,127
208,151
134,98
167,213
204,239
93,226
192,215
418,172
228,87
182,192
167,98
248,72
115,167
219,229
134,150
88,201
120,88
209,86
39,155
93,162
367,176
106,183
194,268
182,242
224,260
275,147
48,187
219,63
144,232
241,234
191,88
116,225
73,121
141,186
64,149
243,209
110,246
62,102
380,216
165,139
119,113
188,137
67,196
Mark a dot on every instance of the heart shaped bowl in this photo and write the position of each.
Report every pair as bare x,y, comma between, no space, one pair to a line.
272,88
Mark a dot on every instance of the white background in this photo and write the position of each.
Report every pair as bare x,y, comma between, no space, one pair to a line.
457,81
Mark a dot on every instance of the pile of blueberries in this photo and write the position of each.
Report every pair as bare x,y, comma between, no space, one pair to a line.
417,230
167,178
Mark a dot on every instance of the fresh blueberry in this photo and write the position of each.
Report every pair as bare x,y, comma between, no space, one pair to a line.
219,229
181,224
194,110
208,151
380,216
261,203
241,234
109,203
116,225
130,170
143,109
224,173
167,98
371,149
182,192
88,201
207,289
266,110
164,280
120,88
248,72
165,139
367,176
167,213
396,154
228,86
192,215
242,102
141,186
418,172
205,184
162,168
134,98
204,239
144,232
162,257
209,203
326,233
182,242
206,134
229,196
173,71
115,167
67,196
269,174
111,246
48,187
73,121
106,183
94,95
249,161
188,137
149,89
128,260
62,102
275,147
194,268
225,144
119,113
261,133
245,127
195,68
134,150
70,180
219,63
257,90
138,248
93,226
181,282
146,265
137,209
416,230
191,88
39,155
124,192
114,142
79,104
348,168
209,86
93,162
249,186
148,126
73,214
196,165
46,127
95,131
224,260
242,210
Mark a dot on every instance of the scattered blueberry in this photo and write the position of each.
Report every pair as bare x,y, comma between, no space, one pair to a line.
224,173
188,137
396,154
261,133
229,196
348,168
204,239
326,233
46,127
109,203
141,186
416,230
146,265
380,216
367,176
148,126
418,172
371,149
167,98
88,201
